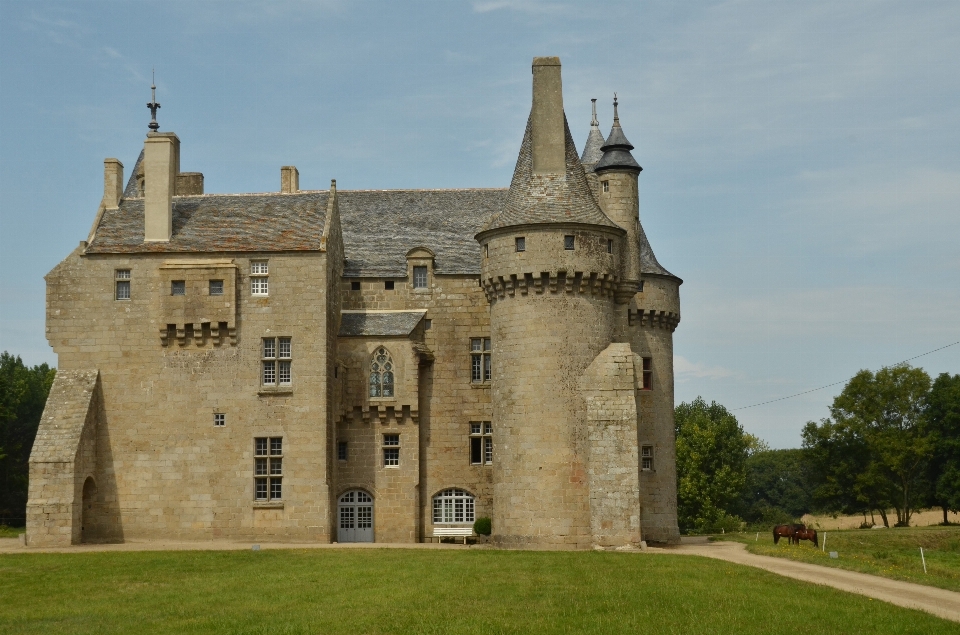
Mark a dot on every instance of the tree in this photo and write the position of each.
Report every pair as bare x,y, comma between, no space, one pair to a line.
712,451
23,394
943,415
873,453
775,486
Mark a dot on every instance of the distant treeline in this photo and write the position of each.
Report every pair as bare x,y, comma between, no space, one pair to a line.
23,393
892,441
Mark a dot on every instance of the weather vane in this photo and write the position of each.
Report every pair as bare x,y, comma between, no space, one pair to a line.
153,105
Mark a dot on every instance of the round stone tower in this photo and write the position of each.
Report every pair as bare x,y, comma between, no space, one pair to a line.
550,269
653,297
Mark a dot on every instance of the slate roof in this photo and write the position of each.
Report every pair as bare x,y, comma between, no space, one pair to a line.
392,323
219,223
549,198
616,150
648,261
591,150
381,226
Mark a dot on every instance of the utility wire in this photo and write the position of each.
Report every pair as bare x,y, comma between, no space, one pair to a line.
763,403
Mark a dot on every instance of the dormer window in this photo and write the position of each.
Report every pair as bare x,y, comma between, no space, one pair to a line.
419,277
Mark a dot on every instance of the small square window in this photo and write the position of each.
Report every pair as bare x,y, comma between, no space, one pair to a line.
354,285
276,446
419,277
388,285
178,287
427,325
391,439
260,447
606,186
216,287
219,419
258,267
341,450
646,457
568,243
285,348
521,243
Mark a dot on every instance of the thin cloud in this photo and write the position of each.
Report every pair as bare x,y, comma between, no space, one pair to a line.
686,370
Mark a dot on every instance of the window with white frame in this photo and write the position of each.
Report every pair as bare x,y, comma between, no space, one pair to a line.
122,279
646,457
481,443
391,450
276,360
258,277
480,365
453,506
219,419
268,468
419,277
381,374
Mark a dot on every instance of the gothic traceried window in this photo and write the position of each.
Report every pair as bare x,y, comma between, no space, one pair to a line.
381,374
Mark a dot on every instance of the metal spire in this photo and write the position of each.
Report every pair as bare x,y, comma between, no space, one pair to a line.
153,105
616,117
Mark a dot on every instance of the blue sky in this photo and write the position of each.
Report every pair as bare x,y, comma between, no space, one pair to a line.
801,160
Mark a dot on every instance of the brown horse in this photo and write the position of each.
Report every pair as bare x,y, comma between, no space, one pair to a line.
807,534
787,531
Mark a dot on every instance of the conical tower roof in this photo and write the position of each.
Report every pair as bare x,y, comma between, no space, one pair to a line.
549,198
616,149
592,150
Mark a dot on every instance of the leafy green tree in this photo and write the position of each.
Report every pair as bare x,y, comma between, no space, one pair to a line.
873,452
712,451
23,394
775,487
943,415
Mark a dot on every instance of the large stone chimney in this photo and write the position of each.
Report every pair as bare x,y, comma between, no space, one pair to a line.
160,169
289,180
549,138
112,183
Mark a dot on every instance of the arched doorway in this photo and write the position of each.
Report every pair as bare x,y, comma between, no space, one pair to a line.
86,509
355,517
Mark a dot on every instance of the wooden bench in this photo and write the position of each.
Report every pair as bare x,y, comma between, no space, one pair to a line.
452,532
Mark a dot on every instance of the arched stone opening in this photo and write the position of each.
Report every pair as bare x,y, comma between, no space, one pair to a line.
86,510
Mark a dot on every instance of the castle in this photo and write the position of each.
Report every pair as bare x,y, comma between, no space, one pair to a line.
365,365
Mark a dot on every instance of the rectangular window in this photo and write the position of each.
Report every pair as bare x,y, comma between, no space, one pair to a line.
646,457
178,287
268,468
354,285
609,245
486,250
219,419
391,450
521,243
481,443
427,325
276,362
258,277
480,365
606,186
569,242
648,373
122,277
419,277
341,450
388,285
216,287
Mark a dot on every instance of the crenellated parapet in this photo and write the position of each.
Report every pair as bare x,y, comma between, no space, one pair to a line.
653,319
575,282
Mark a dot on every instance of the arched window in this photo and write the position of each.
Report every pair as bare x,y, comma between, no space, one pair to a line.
381,374
453,506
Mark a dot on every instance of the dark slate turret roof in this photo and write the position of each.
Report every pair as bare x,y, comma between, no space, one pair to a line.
380,324
549,198
648,261
616,149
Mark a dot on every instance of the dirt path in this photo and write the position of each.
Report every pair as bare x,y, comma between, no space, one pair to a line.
942,603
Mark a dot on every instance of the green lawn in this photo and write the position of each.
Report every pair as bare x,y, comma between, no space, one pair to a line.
892,553
11,532
423,591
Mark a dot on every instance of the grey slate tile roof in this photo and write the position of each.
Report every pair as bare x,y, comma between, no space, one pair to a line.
549,198
220,223
648,261
380,227
591,149
393,323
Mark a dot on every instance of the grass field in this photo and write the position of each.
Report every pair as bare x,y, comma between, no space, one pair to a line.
11,532
423,591
892,553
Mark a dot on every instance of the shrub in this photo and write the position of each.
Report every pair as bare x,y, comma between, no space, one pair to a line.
482,527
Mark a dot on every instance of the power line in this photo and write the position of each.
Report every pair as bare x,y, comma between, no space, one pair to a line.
763,403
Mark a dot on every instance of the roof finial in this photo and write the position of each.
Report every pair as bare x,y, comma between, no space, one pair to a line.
616,117
153,105
594,123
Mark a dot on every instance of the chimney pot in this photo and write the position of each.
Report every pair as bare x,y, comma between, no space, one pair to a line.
289,180
112,183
